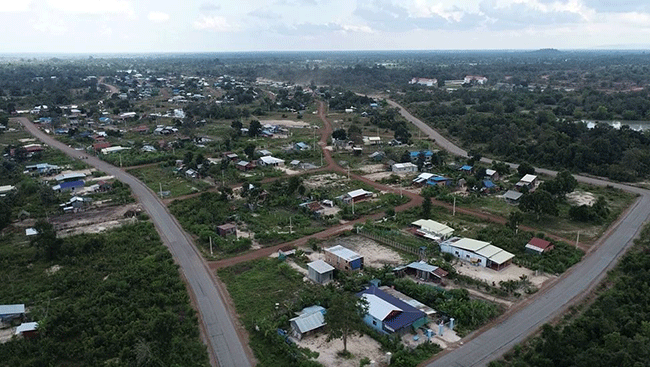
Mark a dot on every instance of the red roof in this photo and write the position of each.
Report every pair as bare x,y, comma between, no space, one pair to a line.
101,145
539,243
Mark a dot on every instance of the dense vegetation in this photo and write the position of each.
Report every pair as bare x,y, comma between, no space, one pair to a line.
613,331
116,300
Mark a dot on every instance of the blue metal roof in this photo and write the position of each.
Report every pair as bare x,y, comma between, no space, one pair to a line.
466,168
488,184
65,185
403,319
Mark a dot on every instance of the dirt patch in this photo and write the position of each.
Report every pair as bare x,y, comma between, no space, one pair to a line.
94,220
581,198
374,254
287,123
6,334
359,346
288,171
372,168
448,337
327,179
53,269
512,272
378,176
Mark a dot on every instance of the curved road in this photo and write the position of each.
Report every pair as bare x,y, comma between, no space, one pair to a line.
491,343
220,330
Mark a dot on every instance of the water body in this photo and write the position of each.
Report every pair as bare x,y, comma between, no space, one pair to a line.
634,125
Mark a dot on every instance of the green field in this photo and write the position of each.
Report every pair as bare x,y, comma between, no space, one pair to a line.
177,185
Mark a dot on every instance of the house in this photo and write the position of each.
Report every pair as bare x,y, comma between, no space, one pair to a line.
33,148
226,229
313,207
148,148
30,232
309,320
357,151
191,173
407,167
489,185
512,197
4,190
356,196
27,330
371,140
466,169
245,166
528,181
377,156
433,230
128,115
390,315
425,81
415,155
422,270
491,175
301,146
430,312
438,180
477,252
231,156
538,246
343,258
264,152
320,272
10,312
68,186
43,168
422,178
142,129
72,176
270,161
114,149
101,145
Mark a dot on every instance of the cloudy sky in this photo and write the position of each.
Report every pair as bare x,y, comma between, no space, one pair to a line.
95,26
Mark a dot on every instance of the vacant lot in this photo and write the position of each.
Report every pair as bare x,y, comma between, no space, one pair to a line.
175,183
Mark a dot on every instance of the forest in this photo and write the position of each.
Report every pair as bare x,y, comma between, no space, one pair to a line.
112,299
614,330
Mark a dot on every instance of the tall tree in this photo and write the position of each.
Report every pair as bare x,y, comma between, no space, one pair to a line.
426,207
539,202
345,316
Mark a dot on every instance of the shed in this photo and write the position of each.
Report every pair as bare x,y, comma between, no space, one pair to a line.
343,258
491,174
538,246
226,229
432,230
424,271
10,312
320,272
308,321
356,196
27,329
512,196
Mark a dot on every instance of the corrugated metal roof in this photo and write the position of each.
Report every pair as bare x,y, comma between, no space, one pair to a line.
528,178
359,192
379,308
405,318
501,257
432,226
488,251
470,244
512,195
343,253
421,265
309,322
320,266
12,309
27,326
67,176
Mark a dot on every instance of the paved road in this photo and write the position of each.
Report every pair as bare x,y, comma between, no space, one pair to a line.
224,342
492,343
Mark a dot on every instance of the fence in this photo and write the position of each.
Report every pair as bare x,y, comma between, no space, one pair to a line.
419,251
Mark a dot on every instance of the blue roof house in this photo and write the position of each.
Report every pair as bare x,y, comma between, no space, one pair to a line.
466,168
390,315
301,146
68,186
438,180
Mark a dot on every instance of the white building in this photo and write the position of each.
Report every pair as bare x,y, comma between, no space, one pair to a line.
114,149
477,252
270,161
433,230
407,167
320,272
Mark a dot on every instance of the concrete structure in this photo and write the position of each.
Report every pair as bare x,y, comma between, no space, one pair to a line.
528,181
407,167
423,271
270,161
320,272
356,196
343,258
538,246
390,315
309,320
512,196
432,230
477,252
226,229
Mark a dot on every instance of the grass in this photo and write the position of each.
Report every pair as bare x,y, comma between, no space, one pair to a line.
173,182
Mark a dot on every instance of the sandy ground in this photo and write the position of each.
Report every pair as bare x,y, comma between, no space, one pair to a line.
374,254
512,272
447,338
360,347
377,176
288,171
372,168
287,123
327,179
6,334
93,220
581,198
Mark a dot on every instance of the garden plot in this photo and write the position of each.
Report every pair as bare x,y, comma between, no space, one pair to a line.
512,272
359,346
374,254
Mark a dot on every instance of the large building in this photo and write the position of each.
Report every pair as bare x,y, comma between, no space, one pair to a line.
477,252
343,258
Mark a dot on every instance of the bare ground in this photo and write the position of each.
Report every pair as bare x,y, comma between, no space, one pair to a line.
512,272
581,198
373,168
374,254
287,123
326,179
93,220
360,347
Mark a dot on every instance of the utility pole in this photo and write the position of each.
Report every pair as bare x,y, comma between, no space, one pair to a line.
577,239
348,171
290,226
120,160
454,211
159,183
211,254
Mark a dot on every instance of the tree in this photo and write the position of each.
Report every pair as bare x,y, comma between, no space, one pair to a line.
514,219
255,128
538,202
250,151
345,316
237,125
426,207
339,134
525,169
566,182
46,240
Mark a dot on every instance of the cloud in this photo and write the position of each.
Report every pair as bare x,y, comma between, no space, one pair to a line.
207,7
158,17
522,15
214,23
313,30
296,2
13,6
617,6
92,7
264,14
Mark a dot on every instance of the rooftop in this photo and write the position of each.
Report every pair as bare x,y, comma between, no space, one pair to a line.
405,315
12,309
320,266
343,253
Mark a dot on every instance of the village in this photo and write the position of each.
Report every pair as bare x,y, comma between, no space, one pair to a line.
434,246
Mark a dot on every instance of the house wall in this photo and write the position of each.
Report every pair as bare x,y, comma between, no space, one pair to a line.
464,255
374,323
342,264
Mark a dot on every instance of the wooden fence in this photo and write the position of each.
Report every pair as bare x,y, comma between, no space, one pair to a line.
420,252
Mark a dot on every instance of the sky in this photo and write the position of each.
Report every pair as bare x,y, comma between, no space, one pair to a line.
143,26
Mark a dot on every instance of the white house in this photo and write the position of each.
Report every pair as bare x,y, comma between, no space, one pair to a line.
407,167
433,230
114,149
477,252
424,81
356,195
477,78
371,140
528,181
270,161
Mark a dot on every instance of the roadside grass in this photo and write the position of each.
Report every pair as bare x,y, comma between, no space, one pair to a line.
175,183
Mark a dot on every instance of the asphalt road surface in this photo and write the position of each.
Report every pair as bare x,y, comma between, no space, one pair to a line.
581,278
219,328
